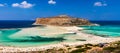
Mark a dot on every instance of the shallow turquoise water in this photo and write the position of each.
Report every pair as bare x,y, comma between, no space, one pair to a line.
39,40
26,41
105,31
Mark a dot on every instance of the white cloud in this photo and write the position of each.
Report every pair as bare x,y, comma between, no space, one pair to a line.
51,2
23,4
100,4
1,5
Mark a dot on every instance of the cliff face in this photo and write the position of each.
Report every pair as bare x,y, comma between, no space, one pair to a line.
62,20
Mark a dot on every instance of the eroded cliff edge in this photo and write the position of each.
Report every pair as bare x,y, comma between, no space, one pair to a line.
62,20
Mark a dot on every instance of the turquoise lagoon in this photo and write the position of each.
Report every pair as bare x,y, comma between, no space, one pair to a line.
106,29
33,40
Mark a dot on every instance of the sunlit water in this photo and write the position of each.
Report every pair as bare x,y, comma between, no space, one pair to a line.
106,29
31,40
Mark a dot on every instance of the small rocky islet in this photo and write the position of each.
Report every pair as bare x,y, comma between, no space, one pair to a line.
62,20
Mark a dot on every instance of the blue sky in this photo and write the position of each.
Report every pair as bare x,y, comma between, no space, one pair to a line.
31,9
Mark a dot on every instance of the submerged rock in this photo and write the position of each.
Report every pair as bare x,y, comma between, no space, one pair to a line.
62,20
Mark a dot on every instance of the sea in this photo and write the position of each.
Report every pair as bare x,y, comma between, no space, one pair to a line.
8,28
106,29
4,24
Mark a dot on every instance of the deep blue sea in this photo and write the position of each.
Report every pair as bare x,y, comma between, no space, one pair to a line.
16,23
106,28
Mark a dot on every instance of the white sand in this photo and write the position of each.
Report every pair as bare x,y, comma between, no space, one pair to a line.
58,30
48,31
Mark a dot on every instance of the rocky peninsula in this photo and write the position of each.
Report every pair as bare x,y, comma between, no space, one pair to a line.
62,20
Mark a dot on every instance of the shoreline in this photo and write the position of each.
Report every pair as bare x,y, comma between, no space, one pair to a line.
91,39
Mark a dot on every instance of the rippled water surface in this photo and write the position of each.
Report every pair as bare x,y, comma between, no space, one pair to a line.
8,37
107,29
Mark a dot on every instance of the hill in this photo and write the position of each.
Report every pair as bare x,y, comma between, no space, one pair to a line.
62,20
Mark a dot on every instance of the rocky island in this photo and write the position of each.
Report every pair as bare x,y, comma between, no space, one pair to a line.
62,20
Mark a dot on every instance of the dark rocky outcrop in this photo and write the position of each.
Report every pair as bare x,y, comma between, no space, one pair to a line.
62,20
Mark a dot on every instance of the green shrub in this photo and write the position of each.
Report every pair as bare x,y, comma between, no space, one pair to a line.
89,44
80,50
118,42
80,46
109,48
86,48
96,45
116,51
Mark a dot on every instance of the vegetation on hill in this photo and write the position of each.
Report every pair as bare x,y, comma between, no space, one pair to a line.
113,47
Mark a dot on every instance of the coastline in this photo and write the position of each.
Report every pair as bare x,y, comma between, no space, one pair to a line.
92,39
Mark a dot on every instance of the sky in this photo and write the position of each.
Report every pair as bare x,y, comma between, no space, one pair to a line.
32,9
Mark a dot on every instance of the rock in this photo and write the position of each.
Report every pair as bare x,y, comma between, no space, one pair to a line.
62,20
95,50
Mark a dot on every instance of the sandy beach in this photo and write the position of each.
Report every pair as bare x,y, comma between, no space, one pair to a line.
92,39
